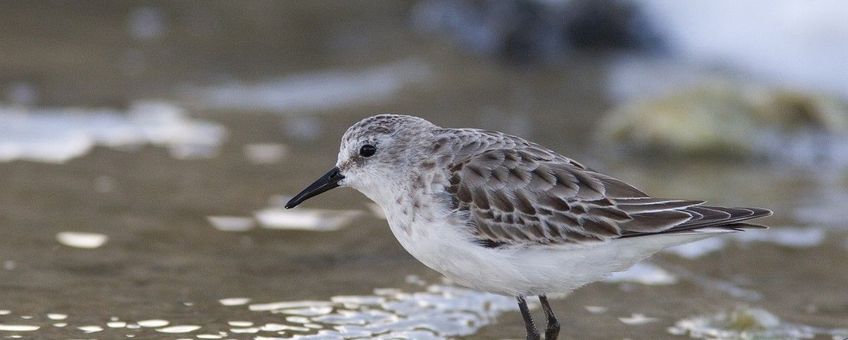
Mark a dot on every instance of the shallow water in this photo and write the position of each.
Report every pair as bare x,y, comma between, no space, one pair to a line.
126,240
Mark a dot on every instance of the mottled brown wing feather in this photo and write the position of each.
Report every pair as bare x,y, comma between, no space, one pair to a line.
518,197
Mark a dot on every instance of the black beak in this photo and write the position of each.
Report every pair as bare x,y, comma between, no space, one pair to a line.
328,181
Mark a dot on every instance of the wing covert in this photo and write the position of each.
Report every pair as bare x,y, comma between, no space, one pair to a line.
515,196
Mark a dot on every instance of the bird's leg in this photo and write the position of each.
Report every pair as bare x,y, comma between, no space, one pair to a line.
532,333
552,329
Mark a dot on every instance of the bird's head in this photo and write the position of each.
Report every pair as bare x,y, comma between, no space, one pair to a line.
375,155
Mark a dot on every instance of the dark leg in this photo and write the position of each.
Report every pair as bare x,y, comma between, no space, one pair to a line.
532,333
552,330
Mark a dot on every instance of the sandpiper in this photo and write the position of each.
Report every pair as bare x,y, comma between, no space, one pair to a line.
501,214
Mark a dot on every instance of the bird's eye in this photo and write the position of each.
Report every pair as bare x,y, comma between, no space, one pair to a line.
367,150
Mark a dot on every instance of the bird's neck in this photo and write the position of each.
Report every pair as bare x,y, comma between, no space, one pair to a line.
408,201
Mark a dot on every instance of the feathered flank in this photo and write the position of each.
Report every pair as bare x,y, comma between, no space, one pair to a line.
521,194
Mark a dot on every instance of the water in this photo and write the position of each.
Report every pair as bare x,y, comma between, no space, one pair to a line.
58,135
133,240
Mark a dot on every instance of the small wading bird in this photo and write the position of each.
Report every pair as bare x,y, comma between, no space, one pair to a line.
498,213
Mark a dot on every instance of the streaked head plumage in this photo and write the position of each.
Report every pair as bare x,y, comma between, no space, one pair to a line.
396,141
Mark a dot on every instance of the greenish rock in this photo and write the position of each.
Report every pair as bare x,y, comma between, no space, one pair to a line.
722,119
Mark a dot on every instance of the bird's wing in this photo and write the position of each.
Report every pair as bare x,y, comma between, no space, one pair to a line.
517,196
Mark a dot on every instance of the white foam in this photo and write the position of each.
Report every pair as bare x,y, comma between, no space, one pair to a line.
359,299
57,135
57,316
178,329
644,273
90,329
273,327
153,323
231,223
236,301
794,43
261,307
298,319
315,91
81,239
596,309
637,319
440,311
18,328
748,323
248,330
305,219
308,311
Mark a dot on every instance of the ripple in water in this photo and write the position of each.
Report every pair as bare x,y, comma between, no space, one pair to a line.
748,323
440,311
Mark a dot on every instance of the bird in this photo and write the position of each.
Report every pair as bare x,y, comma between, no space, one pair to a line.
497,213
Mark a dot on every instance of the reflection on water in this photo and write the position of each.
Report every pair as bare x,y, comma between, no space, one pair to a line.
81,239
305,219
231,223
279,218
178,329
18,328
153,323
237,301
60,134
90,329
596,309
749,323
439,311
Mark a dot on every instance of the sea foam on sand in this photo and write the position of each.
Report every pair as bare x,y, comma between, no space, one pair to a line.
56,135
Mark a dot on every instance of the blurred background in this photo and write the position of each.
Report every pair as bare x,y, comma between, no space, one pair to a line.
147,147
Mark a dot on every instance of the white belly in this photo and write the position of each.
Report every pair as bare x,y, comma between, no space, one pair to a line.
525,270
